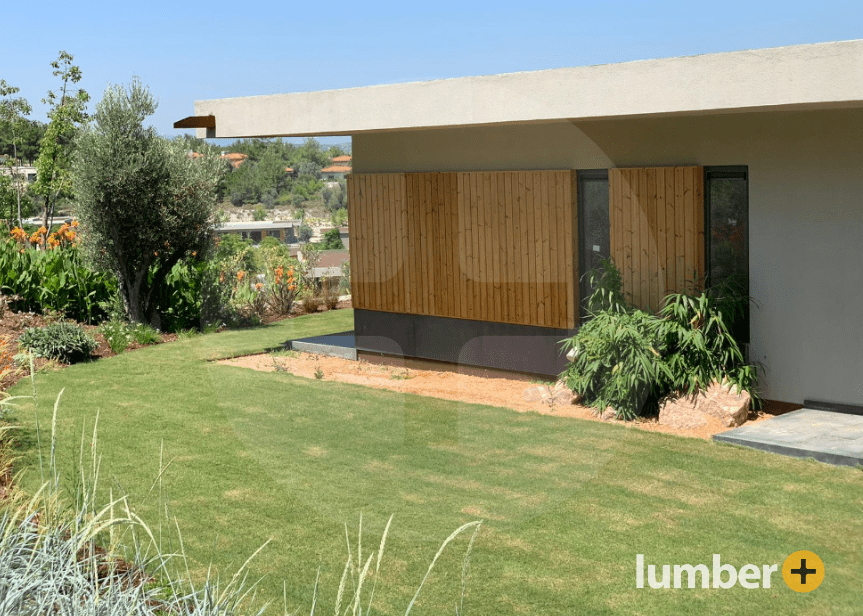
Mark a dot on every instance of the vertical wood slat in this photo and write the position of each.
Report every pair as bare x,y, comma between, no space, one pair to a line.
570,247
657,229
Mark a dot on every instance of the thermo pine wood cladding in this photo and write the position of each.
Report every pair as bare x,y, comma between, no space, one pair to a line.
657,231
489,246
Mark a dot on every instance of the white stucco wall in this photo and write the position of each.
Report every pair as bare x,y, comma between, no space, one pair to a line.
805,208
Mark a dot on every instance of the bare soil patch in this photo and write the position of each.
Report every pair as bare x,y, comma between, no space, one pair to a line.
448,385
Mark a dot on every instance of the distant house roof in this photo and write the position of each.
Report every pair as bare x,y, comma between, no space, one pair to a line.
289,169
235,158
336,169
342,159
333,258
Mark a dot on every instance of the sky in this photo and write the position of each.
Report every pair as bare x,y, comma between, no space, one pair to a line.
187,51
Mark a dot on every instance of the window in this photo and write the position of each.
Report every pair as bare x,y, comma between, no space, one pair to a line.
726,211
594,238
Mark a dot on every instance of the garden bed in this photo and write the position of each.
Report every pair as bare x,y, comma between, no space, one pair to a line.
455,386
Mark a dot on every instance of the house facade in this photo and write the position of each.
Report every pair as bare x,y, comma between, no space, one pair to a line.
477,204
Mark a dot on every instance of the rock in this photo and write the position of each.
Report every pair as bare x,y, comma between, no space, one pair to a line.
573,353
721,401
680,412
725,402
534,394
608,414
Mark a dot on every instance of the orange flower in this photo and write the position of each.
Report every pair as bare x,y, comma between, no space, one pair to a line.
240,275
258,286
71,235
74,223
43,230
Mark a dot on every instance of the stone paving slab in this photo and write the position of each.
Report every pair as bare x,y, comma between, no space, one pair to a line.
834,438
342,344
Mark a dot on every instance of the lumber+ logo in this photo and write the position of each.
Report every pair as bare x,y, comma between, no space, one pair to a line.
802,571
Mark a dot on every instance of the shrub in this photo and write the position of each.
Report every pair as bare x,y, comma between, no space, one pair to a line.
701,348
63,341
629,359
617,362
53,279
117,334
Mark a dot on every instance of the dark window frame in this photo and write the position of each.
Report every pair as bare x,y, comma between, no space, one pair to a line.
582,176
720,172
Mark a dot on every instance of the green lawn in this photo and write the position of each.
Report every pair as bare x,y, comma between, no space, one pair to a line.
567,504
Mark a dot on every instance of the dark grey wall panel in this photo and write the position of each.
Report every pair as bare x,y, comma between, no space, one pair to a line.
505,346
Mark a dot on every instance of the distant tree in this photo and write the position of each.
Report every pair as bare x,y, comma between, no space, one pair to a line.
304,234
13,110
340,217
144,205
312,152
332,241
66,115
260,213
327,195
335,150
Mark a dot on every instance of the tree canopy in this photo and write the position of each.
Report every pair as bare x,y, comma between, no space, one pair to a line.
144,205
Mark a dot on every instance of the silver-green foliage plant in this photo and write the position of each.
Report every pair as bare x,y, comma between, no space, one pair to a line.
64,341
144,205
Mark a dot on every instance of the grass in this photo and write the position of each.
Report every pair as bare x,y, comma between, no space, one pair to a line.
566,504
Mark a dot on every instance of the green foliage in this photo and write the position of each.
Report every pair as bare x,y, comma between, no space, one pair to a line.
618,362
606,284
13,123
66,115
628,359
332,241
63,341
120,334
117,334
304,234
701,349
144,204
260,213
54,280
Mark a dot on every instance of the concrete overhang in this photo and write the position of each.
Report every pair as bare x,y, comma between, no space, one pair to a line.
817,76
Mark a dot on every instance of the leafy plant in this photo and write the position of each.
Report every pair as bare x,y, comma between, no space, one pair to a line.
628,359
53,280
618,362
117,334
701,348
319,374
63,341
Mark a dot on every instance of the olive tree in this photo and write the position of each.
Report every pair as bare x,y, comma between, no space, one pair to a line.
144,205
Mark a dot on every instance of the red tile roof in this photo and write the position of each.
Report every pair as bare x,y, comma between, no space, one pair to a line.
342,159
336,169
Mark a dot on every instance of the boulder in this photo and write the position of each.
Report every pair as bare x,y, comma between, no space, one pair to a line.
725,402
534,394
608,414
720,400
680,412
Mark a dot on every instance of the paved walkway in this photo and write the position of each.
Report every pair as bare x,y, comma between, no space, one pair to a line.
834,438
342,344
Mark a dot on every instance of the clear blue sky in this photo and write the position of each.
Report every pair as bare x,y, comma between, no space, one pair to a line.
188,51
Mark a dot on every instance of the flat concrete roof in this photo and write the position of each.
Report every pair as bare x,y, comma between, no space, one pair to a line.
817,76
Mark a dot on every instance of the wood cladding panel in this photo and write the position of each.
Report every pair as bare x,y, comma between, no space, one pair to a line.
489,246
657,231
